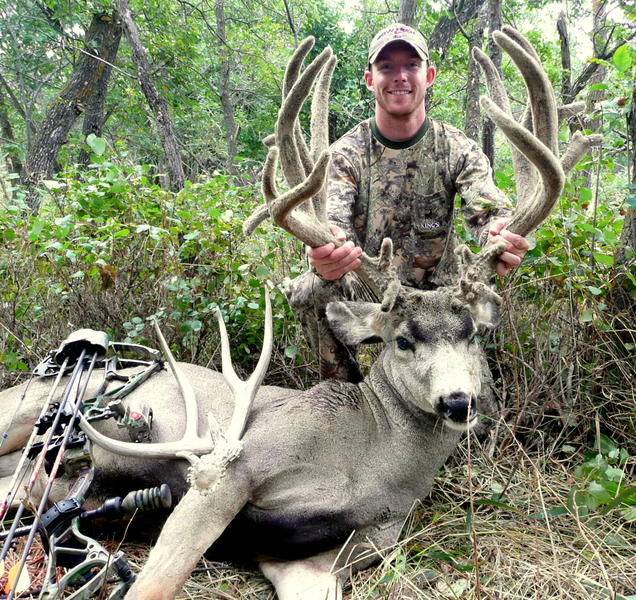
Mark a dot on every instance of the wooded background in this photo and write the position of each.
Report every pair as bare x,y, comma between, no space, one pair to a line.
130,155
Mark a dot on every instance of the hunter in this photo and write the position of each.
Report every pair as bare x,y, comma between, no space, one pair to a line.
396,175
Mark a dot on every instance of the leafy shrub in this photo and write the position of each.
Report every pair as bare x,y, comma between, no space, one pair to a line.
110,250
603,482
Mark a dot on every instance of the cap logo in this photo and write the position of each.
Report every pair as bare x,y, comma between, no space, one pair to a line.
398,32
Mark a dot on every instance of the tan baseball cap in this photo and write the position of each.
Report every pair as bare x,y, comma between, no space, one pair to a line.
394,33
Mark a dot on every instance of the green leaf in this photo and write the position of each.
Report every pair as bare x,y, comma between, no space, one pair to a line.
622,58
614,474
553,512
629,514
194,325
604,259
261,271
598,86
586,316
51,184
9,235
599,492
596,291
291,351
496,503
96,144
503,180
121,233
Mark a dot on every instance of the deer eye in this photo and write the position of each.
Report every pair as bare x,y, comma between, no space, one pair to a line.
403,343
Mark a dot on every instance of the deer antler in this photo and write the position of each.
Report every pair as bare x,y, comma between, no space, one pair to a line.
302,210
539,174
534,142
191,443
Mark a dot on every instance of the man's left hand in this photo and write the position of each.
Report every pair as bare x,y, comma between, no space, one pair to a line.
515,251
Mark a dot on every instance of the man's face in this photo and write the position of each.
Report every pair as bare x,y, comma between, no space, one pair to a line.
399,80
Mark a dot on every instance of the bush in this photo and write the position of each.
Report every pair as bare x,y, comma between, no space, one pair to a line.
111,250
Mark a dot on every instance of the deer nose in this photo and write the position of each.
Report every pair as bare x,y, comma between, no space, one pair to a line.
456,407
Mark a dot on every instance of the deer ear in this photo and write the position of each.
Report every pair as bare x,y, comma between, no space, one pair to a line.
354,323
486,315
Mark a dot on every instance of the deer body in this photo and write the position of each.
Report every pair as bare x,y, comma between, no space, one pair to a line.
338,462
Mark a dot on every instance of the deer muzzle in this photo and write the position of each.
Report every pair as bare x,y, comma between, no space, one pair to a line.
458,409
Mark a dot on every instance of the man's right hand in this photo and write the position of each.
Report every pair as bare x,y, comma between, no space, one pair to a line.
331,262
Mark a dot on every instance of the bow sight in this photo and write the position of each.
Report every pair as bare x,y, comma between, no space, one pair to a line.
57,446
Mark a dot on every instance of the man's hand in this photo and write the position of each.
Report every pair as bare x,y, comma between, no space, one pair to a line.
331,262
516,250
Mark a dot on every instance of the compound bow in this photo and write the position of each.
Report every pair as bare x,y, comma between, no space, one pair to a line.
59,446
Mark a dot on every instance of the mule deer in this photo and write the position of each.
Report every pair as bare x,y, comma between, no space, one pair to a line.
313,482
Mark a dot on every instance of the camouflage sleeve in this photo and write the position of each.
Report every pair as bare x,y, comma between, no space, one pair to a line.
482,201
342,193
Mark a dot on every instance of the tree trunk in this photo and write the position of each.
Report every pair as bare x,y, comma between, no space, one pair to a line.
494,24
94,115
290,21
593,118
66,108
12,157
447,27
566,63
628,235
599,41
406,14
156,101
224,87
625,256
472,120
445,30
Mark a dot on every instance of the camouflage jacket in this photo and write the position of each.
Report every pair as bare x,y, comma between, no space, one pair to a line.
406,191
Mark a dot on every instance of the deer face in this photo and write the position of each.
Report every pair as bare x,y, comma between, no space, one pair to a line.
432,358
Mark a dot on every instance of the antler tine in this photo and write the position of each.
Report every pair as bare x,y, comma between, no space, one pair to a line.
578,147
536,210
286,141
190,442
569,110
295,63
268,188
521,40
320,129
291,76
524,171
539,146
303,224
308,194
245,391
320,109
540,92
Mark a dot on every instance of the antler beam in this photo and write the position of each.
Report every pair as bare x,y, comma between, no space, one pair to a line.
191,443
539,174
